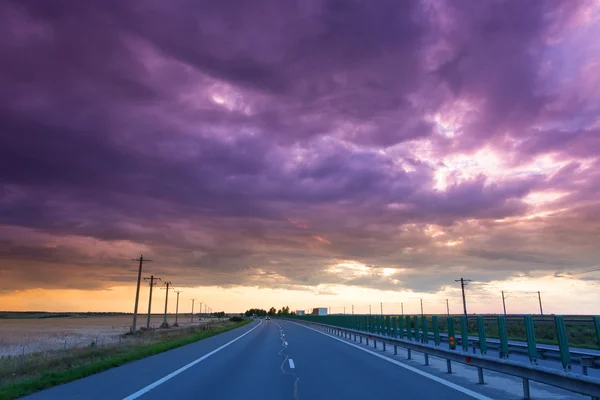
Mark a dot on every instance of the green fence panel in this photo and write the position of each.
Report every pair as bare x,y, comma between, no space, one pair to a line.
425,329
451,334
436,330
563,343
408,328
597,326
416,328
464,333
401,327
530,334
481,333
503,338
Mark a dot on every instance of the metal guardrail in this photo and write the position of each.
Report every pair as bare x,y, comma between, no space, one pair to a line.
566,380
579,356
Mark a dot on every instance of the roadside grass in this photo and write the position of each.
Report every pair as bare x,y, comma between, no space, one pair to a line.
55,368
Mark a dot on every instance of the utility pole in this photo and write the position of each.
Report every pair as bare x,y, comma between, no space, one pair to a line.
167,284
200,310
369,309
137,291
447,308
344,310
381,305
421,307
177,307
463,283
540,299
402,308
352,309
504,303
192,319
152,281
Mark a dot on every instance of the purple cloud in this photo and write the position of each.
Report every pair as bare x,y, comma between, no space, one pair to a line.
227,140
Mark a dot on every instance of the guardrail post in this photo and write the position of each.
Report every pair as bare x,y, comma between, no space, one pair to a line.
425,330
401,327
408,328
597,326
451,336
395,350
436,330
503,351
563,343
426,358
526,394
480,375
530,334
409,352
481,332
449,366
464,333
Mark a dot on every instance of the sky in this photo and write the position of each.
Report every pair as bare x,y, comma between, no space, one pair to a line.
302,153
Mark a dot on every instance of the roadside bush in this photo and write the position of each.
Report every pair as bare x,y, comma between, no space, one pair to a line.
236,319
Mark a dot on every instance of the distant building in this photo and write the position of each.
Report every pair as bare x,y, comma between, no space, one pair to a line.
299,312
319,311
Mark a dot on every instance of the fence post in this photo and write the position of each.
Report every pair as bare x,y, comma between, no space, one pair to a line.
530,334
401,327
424,329
436,330
597,326
64,350
563,343
503,339
481,332
464,333
408,328
388,325
416,326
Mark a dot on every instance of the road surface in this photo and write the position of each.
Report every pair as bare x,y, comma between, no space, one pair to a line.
280,360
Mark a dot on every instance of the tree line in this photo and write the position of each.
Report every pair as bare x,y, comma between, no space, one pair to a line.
259,312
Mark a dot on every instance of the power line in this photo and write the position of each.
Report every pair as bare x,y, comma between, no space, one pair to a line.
137,291
177,307
463,283
152,282
167,284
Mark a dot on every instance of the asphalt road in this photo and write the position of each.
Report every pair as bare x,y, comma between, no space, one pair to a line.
270,360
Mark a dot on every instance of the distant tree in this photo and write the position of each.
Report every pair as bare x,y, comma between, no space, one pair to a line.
293,313
272,311
256,311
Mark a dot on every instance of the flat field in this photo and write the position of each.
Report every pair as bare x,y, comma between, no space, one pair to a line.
45,334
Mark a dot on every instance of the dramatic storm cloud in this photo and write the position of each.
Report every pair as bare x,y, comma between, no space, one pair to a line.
378,144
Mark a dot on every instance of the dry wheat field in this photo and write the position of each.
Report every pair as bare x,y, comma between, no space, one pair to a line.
44,334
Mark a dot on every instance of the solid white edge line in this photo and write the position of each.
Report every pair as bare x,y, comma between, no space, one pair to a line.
292,366
444,382
162,380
